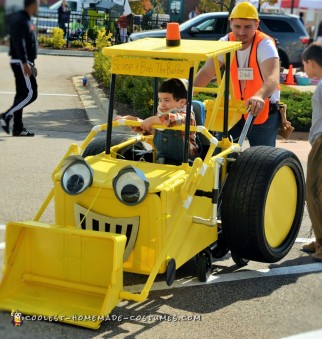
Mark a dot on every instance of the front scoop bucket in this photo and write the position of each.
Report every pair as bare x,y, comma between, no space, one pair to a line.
74,276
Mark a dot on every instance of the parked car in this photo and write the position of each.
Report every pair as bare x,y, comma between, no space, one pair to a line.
288,31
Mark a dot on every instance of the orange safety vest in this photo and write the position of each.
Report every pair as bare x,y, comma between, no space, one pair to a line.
252,86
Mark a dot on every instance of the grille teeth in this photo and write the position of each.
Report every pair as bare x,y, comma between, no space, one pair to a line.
98,222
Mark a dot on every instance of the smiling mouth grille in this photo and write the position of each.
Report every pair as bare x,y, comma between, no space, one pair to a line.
102,223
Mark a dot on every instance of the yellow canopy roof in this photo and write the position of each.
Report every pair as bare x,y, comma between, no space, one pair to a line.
194,50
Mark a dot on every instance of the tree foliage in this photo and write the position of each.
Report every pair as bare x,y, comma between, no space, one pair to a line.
141,7
206,6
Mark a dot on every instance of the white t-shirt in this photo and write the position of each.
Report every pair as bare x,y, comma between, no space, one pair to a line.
266,50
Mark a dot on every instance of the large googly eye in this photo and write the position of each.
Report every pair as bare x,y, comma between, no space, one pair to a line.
76,177
130,186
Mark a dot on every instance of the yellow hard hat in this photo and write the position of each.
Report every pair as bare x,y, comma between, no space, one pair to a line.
244,10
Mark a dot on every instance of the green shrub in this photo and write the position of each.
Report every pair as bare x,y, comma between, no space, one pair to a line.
127,86
299,108
102,64
45,40
88,46
58,38
137,93
76,44
93,32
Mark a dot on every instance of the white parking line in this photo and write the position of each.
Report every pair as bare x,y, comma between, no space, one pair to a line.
45,94
306,335
304,240
2,244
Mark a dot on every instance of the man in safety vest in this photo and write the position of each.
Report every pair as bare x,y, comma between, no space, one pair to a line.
255,75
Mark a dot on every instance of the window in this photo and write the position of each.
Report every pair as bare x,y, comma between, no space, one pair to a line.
279,26
217,26
206,26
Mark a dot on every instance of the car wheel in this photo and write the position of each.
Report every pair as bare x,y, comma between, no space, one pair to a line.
263,203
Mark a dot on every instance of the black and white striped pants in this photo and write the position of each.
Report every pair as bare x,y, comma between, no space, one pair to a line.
26,93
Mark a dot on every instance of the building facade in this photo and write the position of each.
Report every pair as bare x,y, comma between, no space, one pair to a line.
179,9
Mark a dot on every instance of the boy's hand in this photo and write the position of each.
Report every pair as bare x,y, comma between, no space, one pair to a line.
147,123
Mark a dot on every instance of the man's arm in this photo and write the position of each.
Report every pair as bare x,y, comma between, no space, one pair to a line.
271,75
18,37
270,71
205,74
18,34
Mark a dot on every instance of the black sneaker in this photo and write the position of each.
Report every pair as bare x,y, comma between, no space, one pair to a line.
23,133
5,123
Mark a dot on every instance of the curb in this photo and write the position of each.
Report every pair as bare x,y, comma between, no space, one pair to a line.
65,52
56,52
93,99
95,102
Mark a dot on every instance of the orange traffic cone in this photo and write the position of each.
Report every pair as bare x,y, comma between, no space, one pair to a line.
290,78
173,34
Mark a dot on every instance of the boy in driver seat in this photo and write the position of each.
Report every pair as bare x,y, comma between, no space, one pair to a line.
172,94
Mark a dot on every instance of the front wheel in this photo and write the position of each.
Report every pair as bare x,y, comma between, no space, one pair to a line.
263,203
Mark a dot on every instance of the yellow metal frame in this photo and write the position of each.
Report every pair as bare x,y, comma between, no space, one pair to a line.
183,224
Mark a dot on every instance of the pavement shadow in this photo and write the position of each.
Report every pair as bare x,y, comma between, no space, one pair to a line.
201,299
50,122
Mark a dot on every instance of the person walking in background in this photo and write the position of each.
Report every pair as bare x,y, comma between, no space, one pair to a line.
123,23
312,61
23,52
194,12
255,75
63,17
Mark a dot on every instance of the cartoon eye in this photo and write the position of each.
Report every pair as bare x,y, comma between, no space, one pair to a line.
130,186
76,177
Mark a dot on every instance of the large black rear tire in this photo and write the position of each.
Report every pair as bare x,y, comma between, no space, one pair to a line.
263,203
